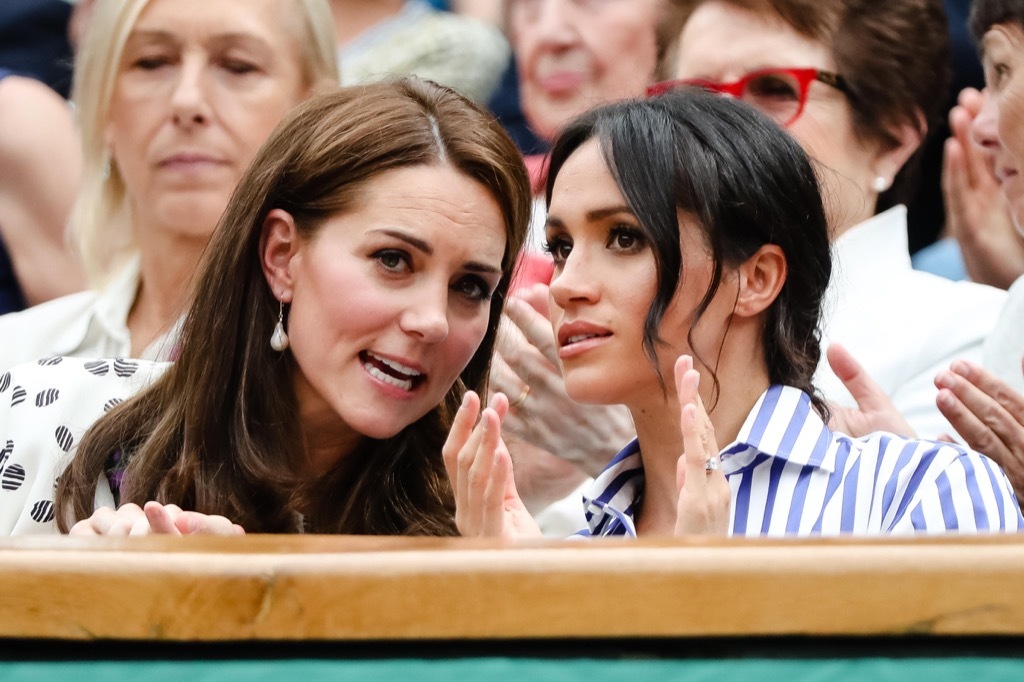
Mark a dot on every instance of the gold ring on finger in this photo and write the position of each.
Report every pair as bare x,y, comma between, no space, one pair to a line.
522,397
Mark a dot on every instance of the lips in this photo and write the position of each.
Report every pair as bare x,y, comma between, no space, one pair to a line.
578,332
402,375
189,159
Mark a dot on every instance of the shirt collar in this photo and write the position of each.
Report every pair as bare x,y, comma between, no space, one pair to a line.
782,425
108,315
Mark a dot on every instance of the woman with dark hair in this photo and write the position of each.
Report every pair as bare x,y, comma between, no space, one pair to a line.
349,297
690,241
860,97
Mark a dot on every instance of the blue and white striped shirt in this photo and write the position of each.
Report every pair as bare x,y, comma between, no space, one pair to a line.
791,475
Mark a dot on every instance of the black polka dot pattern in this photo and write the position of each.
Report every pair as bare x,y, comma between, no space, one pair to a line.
5,454
97,367
51,361
64,438
12,478
42,511
5,381
47,397
17,396
111,404
125,368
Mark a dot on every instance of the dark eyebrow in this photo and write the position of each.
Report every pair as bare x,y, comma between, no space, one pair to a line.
420,245
414,242
592,216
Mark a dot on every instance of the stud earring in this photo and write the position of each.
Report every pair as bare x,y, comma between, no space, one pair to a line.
880,184
279,339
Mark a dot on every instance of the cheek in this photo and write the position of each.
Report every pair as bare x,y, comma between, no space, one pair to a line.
1011,118
464,339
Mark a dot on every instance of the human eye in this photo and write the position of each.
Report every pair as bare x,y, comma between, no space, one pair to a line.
393,260
473,288
626,238
239,66
773,86
559,246
151,61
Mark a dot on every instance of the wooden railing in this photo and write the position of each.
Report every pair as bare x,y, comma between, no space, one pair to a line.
351,588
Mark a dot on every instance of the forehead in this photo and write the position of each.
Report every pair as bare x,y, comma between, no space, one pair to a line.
1002,37
721,41
271,21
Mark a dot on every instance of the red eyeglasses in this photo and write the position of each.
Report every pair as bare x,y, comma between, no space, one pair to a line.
779,93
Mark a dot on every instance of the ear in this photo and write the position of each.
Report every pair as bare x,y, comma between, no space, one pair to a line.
279,244
760,280
909,137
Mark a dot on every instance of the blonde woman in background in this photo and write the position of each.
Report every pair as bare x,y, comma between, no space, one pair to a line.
173,98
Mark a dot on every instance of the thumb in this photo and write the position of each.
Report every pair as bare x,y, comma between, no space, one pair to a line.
680,472
865,391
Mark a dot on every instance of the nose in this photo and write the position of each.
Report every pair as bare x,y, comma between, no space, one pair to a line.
554,24
572,284
426,316
190,105
985,127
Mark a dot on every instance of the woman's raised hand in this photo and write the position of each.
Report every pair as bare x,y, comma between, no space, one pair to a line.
154,519
705,498
480,469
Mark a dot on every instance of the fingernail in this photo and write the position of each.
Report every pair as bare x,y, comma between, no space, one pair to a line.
961,368
945,399
465,400
945,379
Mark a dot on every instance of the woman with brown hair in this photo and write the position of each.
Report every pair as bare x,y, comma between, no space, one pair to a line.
349,297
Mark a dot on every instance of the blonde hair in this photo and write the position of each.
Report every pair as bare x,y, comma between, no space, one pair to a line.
100,222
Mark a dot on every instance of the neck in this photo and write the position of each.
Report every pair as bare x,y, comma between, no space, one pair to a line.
166,266
742,377
352,17
326,438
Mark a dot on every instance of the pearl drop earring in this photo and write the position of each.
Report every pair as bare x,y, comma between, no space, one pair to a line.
880,184
279,339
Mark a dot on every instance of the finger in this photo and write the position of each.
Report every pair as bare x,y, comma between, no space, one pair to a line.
865,390
991,385
483,461
960,146
106,521
160,519
140,526
84,527
503,378
971,426
494,494
536,328
458,435
195,523
499,403
691,426
537,295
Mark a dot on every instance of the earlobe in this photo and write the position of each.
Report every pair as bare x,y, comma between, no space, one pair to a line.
889,162
760,280
279,242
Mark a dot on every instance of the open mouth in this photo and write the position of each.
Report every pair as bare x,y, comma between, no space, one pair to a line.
391,372
577,338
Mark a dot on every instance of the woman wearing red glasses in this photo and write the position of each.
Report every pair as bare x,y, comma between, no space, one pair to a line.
857,83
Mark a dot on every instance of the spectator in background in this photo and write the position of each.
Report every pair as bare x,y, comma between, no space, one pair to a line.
863,120
174,97
381,37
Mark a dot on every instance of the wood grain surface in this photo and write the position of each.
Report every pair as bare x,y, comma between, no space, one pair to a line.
355,588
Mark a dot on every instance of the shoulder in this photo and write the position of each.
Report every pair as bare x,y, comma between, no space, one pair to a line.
45,409
36,331
931,486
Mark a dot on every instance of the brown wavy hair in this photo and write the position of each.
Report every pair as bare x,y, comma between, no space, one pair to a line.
219,431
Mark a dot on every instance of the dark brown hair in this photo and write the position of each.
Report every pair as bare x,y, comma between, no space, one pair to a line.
988,13
219,433
746,183
893,55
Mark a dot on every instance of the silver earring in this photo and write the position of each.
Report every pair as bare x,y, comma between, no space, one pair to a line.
880,184
279,339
